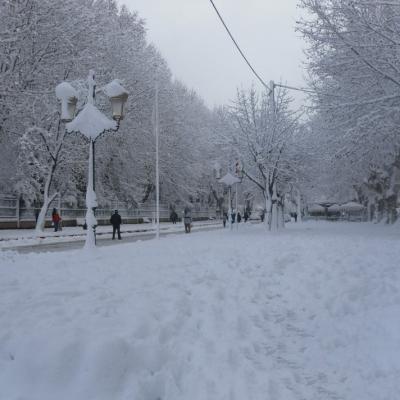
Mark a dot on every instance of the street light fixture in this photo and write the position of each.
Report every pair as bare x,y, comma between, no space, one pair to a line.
91,123
118,97
68,97
217,170
230,180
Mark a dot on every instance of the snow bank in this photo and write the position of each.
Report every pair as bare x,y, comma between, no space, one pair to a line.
218,315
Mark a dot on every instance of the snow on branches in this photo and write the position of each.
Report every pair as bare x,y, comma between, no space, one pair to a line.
354,66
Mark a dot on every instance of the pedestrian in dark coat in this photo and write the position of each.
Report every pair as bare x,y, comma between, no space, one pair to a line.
224,219
246,216
233,217
173,217
239,217
116,223
55,217
187,219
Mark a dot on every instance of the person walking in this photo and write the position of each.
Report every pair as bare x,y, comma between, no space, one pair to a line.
295,216
173,217
55,217
224,219
246,216
233,216
239,217
187,219
116,223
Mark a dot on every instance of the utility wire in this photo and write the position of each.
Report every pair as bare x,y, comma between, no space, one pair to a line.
248,63
237,46
295,88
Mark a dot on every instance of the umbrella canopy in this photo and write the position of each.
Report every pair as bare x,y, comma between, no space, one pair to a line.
229,179
334,208
352,206
316,208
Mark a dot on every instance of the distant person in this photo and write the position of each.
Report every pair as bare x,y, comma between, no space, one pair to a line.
116,223
295,216
246,216
37,212
233,217
262,215
55,217
173,217
187,219
224,219
239,217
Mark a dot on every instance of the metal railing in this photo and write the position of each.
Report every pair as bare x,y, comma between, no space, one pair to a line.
10,210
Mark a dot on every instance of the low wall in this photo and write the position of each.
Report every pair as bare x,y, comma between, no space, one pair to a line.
30,223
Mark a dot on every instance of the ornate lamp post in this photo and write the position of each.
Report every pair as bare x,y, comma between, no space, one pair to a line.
91,123
230,180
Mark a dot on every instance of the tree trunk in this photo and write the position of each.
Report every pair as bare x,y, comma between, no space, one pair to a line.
281,215
298,207
268,211
40,223
274,225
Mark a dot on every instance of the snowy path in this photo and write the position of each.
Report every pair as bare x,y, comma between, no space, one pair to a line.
311,313
42,246
10,239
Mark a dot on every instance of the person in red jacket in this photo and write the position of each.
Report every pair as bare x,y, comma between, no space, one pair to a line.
55,217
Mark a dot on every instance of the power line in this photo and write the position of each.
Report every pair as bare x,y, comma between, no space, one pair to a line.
295,88
237,46
248,62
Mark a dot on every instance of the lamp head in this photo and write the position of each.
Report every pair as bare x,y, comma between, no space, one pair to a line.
118,96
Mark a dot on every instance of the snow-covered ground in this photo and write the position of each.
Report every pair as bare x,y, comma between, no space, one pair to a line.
309,313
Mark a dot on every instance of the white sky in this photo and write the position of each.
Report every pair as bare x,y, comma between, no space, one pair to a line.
200,53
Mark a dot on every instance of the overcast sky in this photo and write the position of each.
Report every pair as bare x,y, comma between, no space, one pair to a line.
200,53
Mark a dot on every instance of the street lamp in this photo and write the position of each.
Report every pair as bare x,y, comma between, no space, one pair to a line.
68,97
118,96
91,123
217,170
230,180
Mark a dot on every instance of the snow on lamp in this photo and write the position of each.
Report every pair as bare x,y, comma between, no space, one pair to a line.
118,96
68,97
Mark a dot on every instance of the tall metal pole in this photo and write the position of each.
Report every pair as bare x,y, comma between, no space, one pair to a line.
298,208
272,96
236,206
271,204
91,202
156,123
230,207
94,188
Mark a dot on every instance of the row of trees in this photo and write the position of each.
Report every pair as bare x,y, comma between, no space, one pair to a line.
354,67
44,42
349,146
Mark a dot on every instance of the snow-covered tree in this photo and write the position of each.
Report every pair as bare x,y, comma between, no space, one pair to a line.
354,68
264,140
